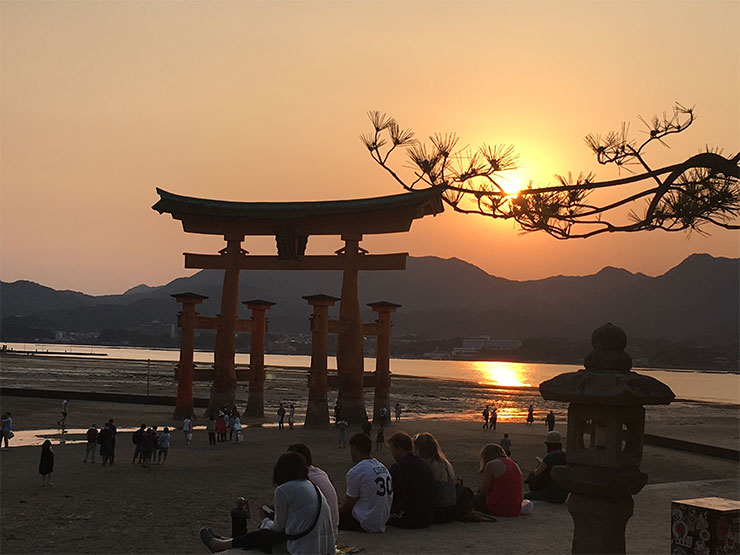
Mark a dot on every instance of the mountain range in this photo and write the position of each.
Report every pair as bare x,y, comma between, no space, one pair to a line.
696,301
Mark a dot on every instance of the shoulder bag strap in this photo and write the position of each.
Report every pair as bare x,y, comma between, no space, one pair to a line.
315,520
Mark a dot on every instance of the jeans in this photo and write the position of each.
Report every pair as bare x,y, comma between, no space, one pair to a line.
90,451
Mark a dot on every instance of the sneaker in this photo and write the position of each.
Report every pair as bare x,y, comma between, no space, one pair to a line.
206,536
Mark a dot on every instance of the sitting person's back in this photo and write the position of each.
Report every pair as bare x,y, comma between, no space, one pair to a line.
445,495
500,491
413,485
542,486
369,495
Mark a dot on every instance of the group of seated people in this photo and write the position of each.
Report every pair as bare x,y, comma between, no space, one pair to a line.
417,491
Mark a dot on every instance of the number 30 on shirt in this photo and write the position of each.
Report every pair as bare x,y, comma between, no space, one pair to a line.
384,486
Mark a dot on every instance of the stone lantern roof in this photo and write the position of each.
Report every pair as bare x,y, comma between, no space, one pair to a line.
607,378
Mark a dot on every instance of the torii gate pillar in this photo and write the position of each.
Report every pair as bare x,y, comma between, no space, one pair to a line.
317,411
256,399
350,353
187,320
382,359
223,390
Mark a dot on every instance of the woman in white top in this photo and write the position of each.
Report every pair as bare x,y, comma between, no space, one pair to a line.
301,516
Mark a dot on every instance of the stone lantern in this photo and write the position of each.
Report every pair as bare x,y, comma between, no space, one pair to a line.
606,428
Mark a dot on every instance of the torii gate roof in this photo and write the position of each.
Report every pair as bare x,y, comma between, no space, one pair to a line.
389,214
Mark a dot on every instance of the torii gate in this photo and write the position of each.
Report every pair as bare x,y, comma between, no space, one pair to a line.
292,223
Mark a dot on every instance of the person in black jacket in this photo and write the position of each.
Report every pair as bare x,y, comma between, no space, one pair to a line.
413,485
138,439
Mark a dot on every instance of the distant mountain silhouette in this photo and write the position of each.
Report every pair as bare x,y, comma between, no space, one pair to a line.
697,300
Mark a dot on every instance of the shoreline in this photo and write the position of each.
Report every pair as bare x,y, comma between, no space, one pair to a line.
29,353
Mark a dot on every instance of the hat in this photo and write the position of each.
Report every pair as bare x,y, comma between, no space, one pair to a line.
553,437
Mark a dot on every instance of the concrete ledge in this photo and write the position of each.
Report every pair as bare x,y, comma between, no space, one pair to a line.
691,447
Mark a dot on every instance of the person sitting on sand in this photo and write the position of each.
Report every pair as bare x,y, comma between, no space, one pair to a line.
413,485
542,486
301,516
239,517
367,504
321,479
500,490
445,495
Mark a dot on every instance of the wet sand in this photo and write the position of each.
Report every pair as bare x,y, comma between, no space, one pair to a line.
129,508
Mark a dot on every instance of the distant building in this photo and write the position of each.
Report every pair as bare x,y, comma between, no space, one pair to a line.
472,346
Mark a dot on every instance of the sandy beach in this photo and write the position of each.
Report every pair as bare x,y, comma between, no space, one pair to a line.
131,508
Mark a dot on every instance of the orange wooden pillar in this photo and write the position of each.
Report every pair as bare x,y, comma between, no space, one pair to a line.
187,320
317,411
223,390
382,359
350,355
258,328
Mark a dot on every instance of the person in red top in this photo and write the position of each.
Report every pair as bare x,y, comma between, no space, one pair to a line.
221,427
92,443
500,492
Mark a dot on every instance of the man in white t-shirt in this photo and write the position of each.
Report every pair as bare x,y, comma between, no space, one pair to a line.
369,490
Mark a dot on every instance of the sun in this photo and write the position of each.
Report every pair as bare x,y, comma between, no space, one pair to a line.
510,181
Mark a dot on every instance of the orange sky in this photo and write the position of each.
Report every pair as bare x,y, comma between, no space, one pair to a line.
254,101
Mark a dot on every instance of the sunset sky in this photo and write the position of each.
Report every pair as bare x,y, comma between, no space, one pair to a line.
265,101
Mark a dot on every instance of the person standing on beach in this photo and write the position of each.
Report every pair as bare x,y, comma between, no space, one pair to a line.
92,442
113,431
281,416
105,439
494,418
138,439
7,428
530,415
291,416
187,428
550,421
221,427
506,445
337,412
342,426
369,495
164,445
485,417
398,412
46,464
211,429
63,419
380,439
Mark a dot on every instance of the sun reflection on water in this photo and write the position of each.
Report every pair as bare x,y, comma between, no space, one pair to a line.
504,374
